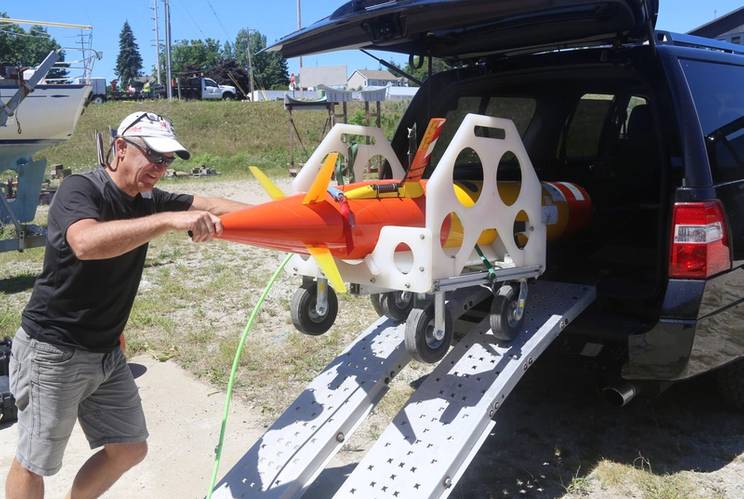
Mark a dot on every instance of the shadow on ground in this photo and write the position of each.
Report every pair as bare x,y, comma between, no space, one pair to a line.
555,427
137,369
17,284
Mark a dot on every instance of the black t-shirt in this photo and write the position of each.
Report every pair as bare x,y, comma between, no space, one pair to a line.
86,303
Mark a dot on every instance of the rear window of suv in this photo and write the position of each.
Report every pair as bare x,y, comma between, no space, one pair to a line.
518,109
718,92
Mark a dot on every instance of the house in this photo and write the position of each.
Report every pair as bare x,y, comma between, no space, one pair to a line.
330,76
363,78
728,27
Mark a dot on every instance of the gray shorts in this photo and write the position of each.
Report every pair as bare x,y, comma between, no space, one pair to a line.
55,385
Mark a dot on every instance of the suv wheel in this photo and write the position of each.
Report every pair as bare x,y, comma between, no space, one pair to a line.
730,384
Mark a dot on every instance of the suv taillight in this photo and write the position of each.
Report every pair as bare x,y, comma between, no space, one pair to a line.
700,244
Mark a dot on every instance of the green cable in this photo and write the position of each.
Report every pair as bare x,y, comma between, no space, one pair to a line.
234,371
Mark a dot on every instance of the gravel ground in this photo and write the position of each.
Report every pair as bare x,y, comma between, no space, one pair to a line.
554,437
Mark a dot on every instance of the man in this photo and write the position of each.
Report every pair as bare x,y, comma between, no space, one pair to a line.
66,363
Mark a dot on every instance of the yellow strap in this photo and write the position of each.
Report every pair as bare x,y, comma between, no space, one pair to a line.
327,264
271,189
320,184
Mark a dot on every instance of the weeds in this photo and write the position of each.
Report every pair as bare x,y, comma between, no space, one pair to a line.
580,485
227,136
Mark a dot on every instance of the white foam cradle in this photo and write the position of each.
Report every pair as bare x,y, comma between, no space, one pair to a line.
426,261
429,444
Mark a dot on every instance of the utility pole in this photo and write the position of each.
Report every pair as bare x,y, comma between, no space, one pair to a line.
250,65
157,40
299,24
169,77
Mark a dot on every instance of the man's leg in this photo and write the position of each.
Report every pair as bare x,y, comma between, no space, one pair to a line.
22,483
111,417
47,387
104,468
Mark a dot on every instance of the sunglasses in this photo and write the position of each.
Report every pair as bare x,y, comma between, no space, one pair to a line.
153,157
150,116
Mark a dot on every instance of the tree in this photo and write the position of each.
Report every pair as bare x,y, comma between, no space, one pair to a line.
129,61
28,49
229,72
196,56
269,68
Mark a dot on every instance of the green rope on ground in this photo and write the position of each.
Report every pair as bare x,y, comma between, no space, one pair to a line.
234,371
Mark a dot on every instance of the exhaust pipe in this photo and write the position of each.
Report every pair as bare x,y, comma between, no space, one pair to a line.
620,394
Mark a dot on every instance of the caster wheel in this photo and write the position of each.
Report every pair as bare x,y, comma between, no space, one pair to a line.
304,316
419,335
504,324
375,299
396,305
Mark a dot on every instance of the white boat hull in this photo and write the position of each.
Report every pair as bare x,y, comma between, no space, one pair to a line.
47,116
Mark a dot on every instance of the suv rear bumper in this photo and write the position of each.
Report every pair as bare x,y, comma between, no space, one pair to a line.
703,330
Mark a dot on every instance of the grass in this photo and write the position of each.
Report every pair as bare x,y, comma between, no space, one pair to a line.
639,480
227,135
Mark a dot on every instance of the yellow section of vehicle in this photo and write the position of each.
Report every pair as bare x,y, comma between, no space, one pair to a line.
410,190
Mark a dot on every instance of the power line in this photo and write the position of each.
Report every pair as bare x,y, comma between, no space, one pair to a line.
193,21
218,19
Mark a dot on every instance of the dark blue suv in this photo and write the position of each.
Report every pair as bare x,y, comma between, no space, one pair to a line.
650,123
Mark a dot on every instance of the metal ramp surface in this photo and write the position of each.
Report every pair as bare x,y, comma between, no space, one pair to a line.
290,455
431,441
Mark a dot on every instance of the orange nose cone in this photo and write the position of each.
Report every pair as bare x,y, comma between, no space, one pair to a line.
287,225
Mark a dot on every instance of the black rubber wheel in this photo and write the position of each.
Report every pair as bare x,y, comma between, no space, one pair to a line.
503,324
304,316
419,335
396,305
375,299
730,384
228,96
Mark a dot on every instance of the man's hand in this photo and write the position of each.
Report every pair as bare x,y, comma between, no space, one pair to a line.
201,225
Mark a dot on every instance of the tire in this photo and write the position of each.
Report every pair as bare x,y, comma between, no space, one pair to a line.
396,305
730,384
375,299
419,340
228,96
98,99
304,316
503,325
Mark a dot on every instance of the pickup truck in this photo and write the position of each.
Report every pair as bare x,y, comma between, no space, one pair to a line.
199,87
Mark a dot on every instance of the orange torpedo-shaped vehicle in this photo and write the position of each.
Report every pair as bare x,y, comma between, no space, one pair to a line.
344,222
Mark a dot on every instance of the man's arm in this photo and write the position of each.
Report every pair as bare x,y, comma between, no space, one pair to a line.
217,206
94,240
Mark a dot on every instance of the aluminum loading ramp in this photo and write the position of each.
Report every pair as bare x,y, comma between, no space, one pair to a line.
431,441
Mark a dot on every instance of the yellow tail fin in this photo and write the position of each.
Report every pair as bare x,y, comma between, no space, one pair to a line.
271,189
327,264
318,189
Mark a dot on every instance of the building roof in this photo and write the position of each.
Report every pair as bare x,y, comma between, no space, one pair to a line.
721,25
371,74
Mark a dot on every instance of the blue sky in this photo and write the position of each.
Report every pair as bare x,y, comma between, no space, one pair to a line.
221,19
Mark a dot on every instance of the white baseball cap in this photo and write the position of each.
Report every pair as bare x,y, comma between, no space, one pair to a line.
157,132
